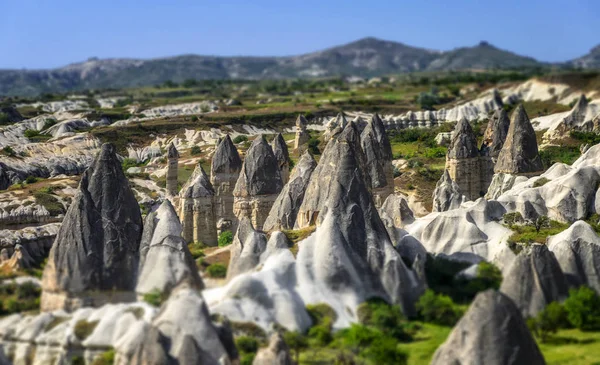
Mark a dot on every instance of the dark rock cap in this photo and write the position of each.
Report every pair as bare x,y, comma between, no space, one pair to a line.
301,121
260,173
495,133
198,185
226,157
97,246
172,151
492,332
464,141
519,155
280,150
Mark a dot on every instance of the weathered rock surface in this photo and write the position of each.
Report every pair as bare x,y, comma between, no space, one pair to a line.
534,280
577,251
495,134
519,155
282,155
284,212
491,332
35,242
246,249
584,116
378,153
277,353
172,166
447,194
258,185
396,214
302,135
197,209
224,172
97,246
165,259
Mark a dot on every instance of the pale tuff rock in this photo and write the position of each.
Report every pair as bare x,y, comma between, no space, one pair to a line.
378,152
246,249
577,251
172,165
302,136
396,214
360,123
97,247
335,126
583,117
501,183
35,242
277,353
282,155
224,172
519,155
285,209
258,185
463,162
492,332
197,209
166,260
495,133
276,243
534,280
447,194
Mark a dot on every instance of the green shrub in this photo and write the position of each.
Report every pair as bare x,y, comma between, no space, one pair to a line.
239,139
438,308
511,219
321,334
196,249
30,133
50,202
225,238
296,342
321,312
155,298
216,271
49,123
12,305
8,151
84,328
384,317
385,350
106,358
31,179
246,344
548,321
130,162
77,360
195,150
247,358
250,329
583,309
540,182
28,290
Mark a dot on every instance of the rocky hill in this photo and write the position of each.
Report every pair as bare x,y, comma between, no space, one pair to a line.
590,60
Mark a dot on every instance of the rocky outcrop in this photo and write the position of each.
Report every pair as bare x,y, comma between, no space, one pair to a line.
284,212
396,214
447,194
96,250
165,259
224,172
584,116
247,247
519,154
335,126
258,185
577,251
491,332
282,155
378,152
197,209
34,242
495,134
172,167
302,135
534,280
277,353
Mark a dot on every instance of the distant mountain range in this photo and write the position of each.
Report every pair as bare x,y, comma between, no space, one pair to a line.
366,57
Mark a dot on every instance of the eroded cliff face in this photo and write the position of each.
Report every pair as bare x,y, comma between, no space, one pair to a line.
224,173
197,209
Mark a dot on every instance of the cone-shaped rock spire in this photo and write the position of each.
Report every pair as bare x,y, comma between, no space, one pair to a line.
495,133
302,135
378,152
464,141
224,172
172,167
282,155
197,209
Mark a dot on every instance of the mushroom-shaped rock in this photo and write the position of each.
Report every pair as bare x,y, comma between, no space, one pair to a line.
285,209
577,251
185,320
246,249
259,183
282,155
277,353
97,246
519,155
447,194
167,260
224,172
464,141
197,209
378,153
172,166
463,162
302,135
492,332
534,280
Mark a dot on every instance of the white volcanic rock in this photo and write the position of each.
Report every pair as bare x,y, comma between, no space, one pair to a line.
277,353
246,249
68,127
584,116
536,90
577,251
447,194
180,109
59,106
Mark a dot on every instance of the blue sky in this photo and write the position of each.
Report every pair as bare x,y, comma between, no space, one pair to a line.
53,33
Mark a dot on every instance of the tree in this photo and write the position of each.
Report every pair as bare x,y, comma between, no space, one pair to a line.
296,341
541,222
548,321
438,308
583,308
225,238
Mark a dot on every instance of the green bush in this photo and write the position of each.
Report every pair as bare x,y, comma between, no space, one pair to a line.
583,309
50,202
31,179
84,328
296,342
247,358
155,298
313,146
130,162
106,358
540,182
195,150
246,344
196,249
384,317
385,350
548,321
239,139
8,151
438,308
28,290
216,271
225,238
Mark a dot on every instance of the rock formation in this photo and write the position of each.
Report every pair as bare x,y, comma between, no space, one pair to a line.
534,280
197,209
577,251
335,126
165,259
258,185
463,161
447,194
282,155
172,166
95,256
584,116
493,140
492,332
396,214
378,152
224,172
278,353
302,135
285,209
246,249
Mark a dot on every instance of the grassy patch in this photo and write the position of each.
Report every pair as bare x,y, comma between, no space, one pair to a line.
155,298
83,329
50,202
106,358
527,234
564,154
572,347
216,271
